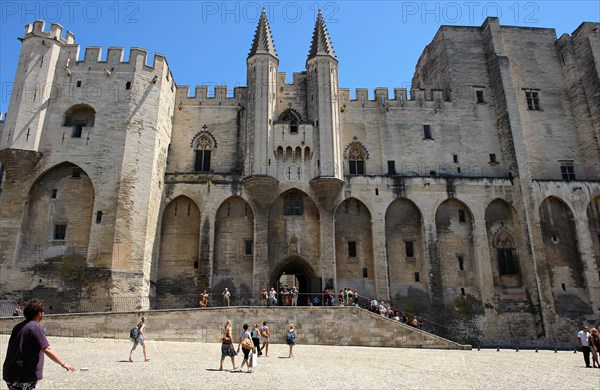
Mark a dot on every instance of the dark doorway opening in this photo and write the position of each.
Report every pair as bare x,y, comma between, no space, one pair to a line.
295,271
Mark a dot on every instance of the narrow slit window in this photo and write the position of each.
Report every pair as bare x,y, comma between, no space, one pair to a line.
351,248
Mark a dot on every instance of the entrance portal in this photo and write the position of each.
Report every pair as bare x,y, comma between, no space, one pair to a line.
295,271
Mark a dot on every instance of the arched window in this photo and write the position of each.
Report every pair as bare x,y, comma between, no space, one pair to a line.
79,116
290,115
292,204
204,148
356,160
508,262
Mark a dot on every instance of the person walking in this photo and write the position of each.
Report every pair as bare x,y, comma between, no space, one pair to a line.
227,346
247,347
24,363
265,335
256,338
140,340
290,339
583,338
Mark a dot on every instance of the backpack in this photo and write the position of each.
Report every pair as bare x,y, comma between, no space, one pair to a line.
134,333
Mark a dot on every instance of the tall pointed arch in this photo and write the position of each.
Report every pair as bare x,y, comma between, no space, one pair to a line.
454,225
355,265
406,262
56,228
501,223
563,259
178,262
292,215
234,247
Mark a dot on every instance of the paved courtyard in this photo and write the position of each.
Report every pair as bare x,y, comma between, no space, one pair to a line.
185,365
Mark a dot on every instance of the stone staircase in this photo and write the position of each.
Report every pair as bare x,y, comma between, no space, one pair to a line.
314,325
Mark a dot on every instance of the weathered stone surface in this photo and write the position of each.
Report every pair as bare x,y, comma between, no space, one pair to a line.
475,203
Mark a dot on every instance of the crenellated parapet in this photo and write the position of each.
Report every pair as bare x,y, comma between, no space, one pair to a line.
419,98
37,30
93,60
202,95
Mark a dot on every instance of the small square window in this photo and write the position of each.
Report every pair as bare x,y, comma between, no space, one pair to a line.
455,158
493,158
533,100
78,83
463,292
391,167
568,172
54,193
365,273
479,96
248,247
409,247
416,277
351,248
461,216
427,132
77,130
128,85
461,263
60,232
99,217
76,173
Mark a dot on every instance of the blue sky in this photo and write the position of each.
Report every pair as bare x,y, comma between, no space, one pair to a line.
206,42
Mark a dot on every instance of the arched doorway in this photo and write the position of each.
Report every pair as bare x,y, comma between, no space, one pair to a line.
295,269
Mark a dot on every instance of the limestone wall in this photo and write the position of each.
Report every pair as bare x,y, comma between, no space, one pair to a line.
318,325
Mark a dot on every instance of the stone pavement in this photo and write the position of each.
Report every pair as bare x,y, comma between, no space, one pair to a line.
187,365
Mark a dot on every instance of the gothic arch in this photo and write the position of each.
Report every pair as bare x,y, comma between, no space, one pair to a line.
454,225
203,145
233,260
292,214
79,115
290,115
560,244
202,139
178,260
357,148
501,222
356,155
302,270
355,265
405,255
56,226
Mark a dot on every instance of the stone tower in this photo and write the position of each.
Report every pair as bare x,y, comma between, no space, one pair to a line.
322,95
262,67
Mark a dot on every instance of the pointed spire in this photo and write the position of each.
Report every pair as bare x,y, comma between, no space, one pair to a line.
263,40
321,43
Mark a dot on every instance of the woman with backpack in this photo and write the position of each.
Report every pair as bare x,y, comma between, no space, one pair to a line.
139,339
290,339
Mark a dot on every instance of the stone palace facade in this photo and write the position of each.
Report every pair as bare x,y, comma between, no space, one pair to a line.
475,201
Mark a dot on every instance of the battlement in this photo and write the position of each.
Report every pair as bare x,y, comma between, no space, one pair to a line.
92,58
37,29
418,98
201,96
